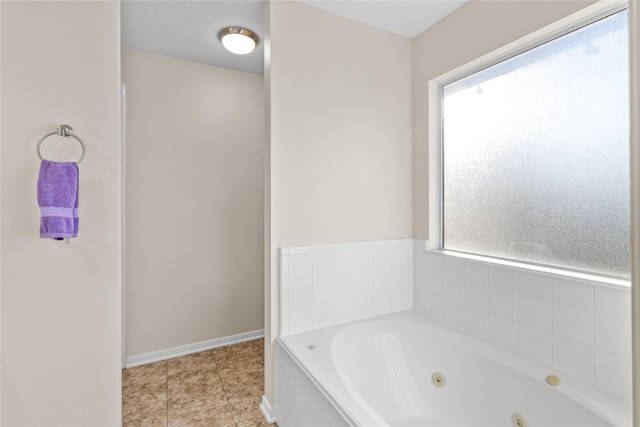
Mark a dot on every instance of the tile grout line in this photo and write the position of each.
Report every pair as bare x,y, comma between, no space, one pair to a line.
166,386
224,390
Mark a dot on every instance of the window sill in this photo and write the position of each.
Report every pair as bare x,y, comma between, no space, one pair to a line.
569,274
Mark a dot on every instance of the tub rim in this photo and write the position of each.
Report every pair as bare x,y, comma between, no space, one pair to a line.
611,406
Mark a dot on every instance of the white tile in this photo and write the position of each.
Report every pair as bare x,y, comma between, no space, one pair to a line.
299,250
402,253
323,264
300,293
435,283
283,268
382,256
613,301
402,278
401,299
535,343
345,286
454,288
434,261
476,321
364,283
284,322
503,278
344,260
344,247
466,269
300,319
322,248
454,266
283,294
534,311
300,267
613,372
323,289
418,253
454,313
477,272
382,243
503,301
364,306
419,301
503,331
429,304
345,310
435,306
364,257
323,314
420,279
534,284
573,292
573,357
476,295
382,303
613,334
382,280
573,322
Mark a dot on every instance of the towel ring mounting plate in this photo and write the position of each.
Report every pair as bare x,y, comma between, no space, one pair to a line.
63,130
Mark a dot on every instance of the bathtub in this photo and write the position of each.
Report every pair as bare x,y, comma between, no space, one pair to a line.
406,369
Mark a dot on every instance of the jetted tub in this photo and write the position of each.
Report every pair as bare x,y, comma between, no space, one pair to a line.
406,369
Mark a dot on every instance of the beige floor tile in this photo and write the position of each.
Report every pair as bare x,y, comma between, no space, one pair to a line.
190,385
241,373
254,422
144,408
144,395
208,412
151,375
216,388
203,361
245,402
235,353
258,345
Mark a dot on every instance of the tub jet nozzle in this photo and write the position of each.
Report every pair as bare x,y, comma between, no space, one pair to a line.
438,379
518,420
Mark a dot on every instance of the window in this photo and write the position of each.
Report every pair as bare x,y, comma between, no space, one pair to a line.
533,153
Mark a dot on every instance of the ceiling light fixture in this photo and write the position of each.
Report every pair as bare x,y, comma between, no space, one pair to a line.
238,40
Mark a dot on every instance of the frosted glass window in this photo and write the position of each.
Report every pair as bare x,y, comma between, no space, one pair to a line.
535,153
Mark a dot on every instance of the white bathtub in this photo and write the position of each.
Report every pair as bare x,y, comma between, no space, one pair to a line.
378,372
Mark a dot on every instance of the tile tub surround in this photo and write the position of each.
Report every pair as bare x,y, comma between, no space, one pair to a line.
577,326
324,285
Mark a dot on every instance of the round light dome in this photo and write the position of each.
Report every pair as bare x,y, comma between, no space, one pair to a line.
238,40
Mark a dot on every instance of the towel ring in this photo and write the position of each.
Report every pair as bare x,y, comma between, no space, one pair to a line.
63,130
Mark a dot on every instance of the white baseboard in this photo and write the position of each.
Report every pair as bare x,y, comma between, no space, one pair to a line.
270,413
183,350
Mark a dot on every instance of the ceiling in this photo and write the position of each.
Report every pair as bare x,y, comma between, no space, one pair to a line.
189,29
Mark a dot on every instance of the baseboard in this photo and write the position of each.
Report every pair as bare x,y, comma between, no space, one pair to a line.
170,353
270,413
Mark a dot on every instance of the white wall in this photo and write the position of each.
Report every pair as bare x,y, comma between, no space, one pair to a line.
340,136
195,145
60,304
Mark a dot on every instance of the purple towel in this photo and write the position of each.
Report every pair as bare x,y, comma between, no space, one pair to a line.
58,199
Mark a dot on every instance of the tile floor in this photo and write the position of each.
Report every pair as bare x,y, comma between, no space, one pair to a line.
216,388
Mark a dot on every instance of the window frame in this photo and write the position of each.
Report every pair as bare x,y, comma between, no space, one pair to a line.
550,32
